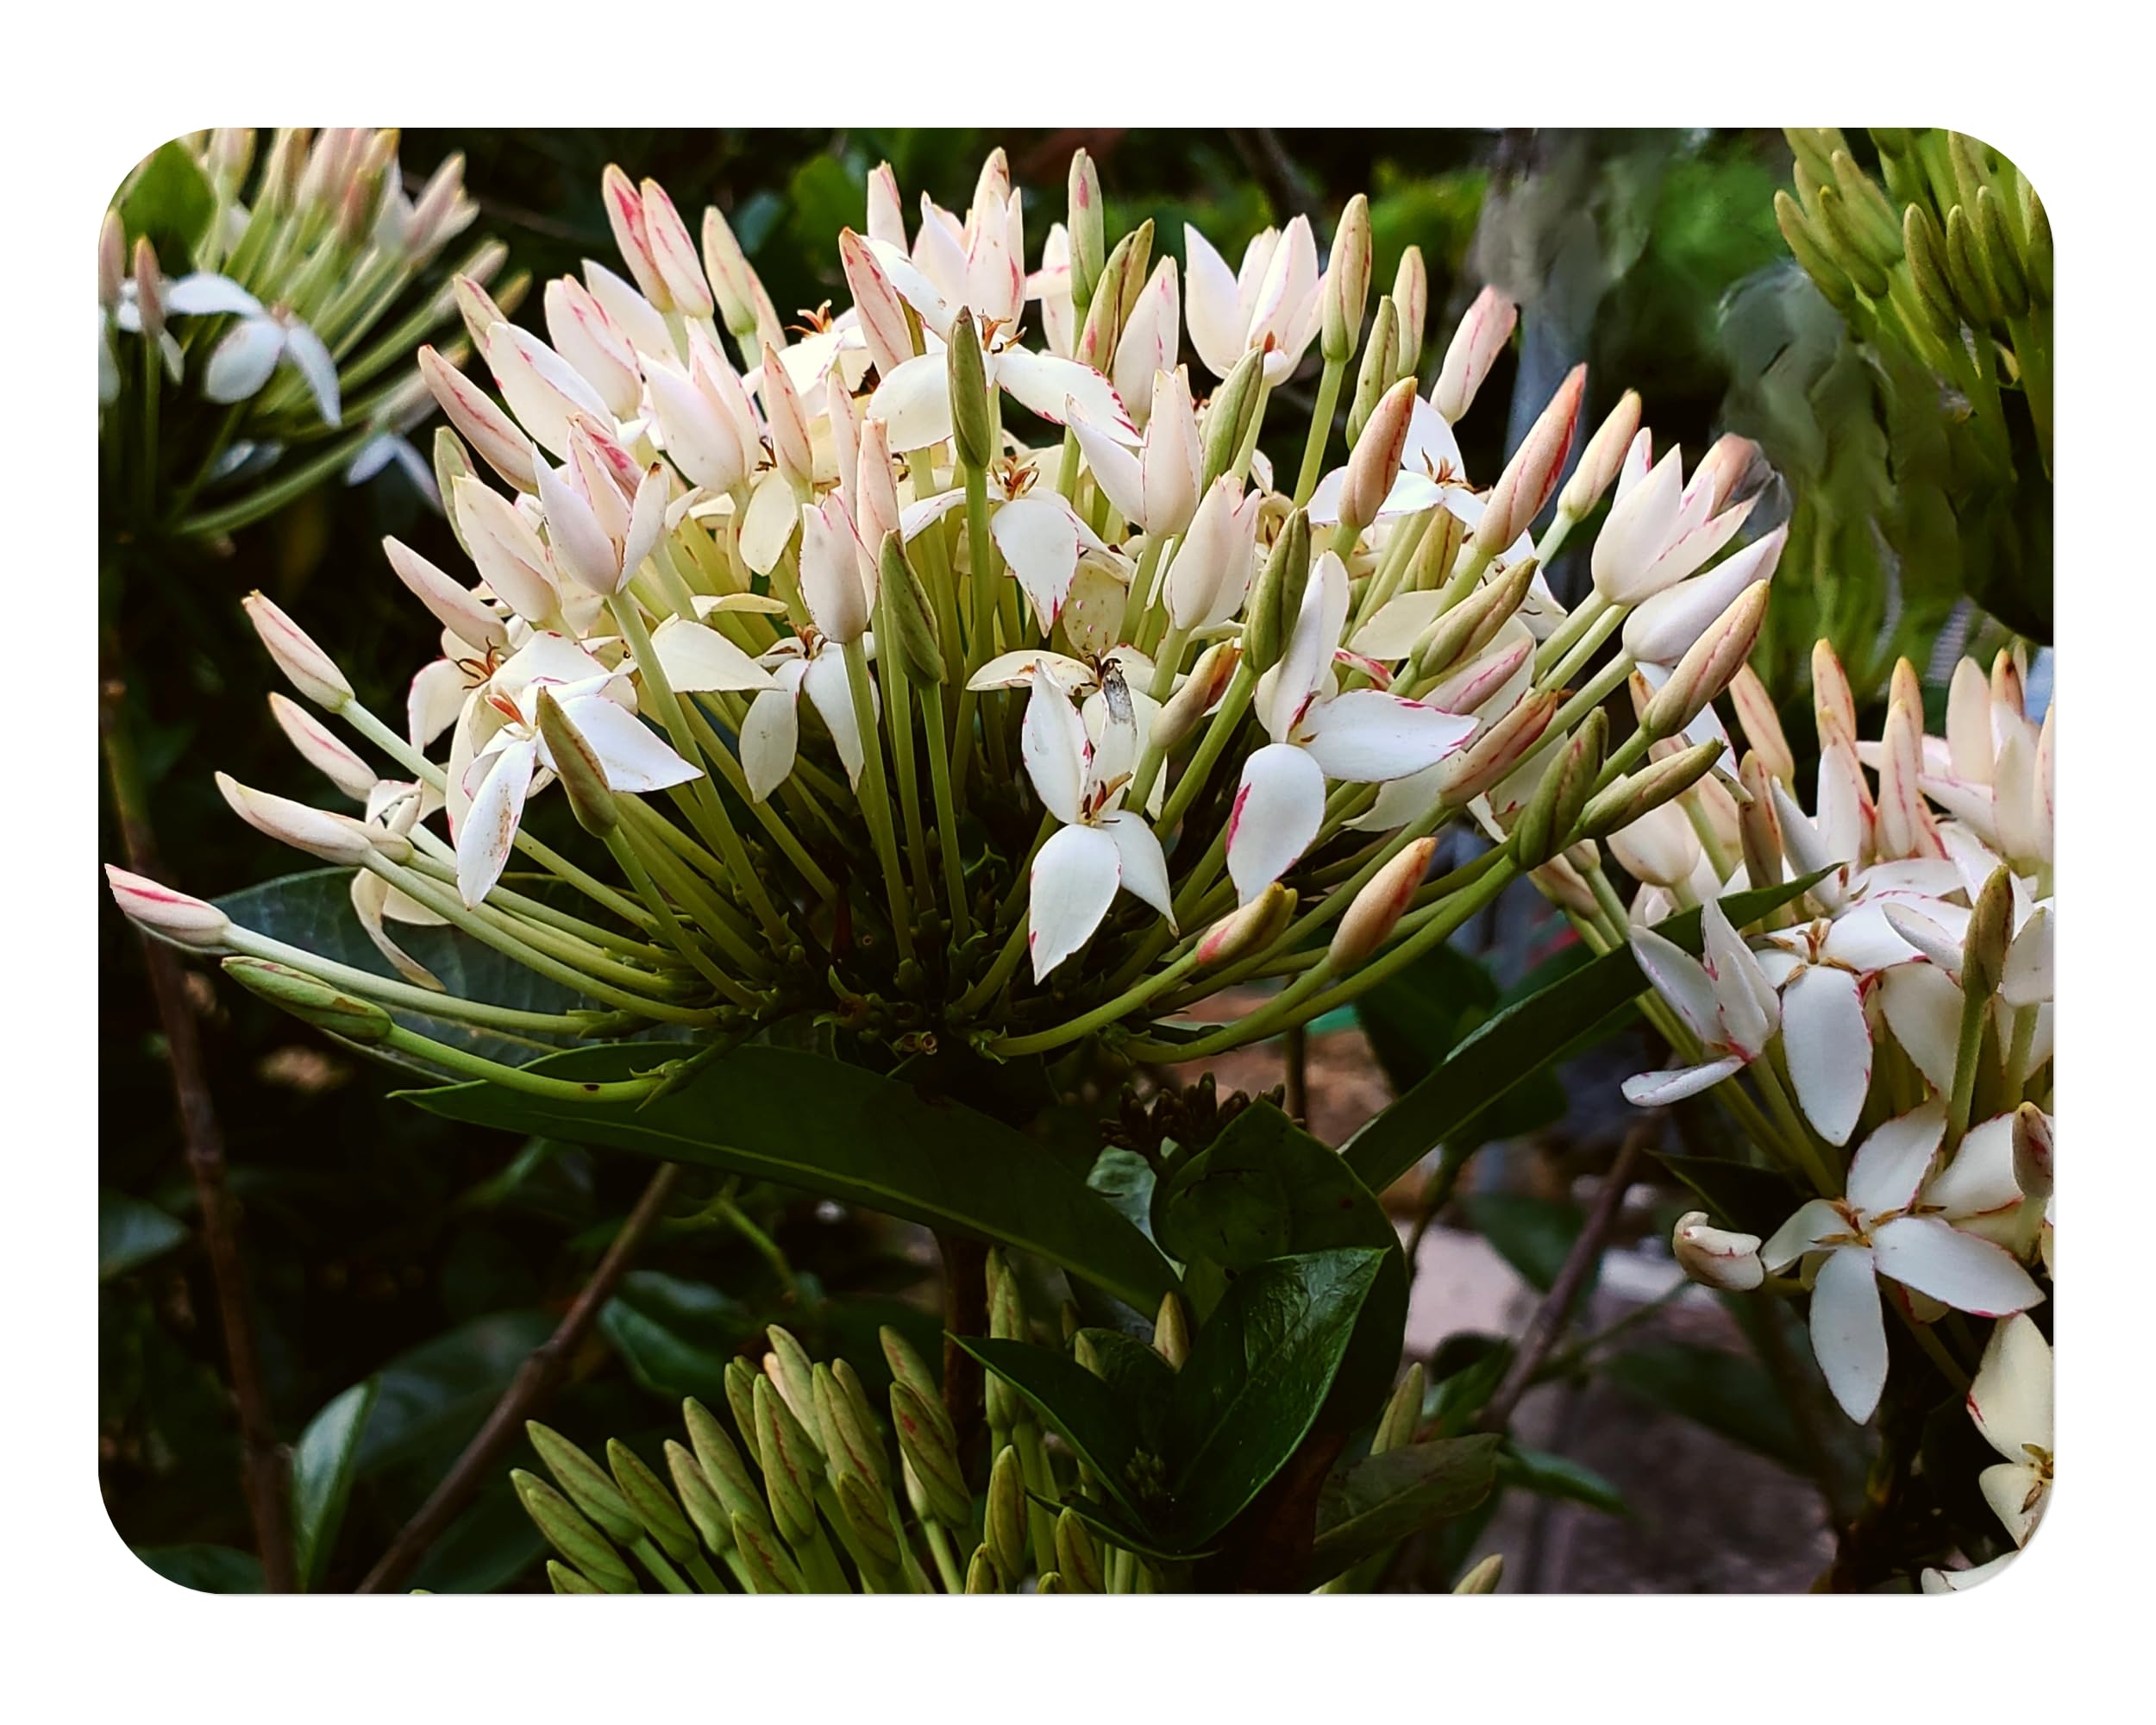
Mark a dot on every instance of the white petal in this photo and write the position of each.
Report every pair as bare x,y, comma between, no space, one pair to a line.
1979,1181
1073,883
489,827
1278,810
1115,468
1144,869
770,734
1057,389
1681,981
696,657
1829,1048
1399,624
1961,1580
432,703
1749,1007
1969,1274
2028,978
370,893
1367,737
1922,1005
1038,537
1906,924
1015,671
1816,1222
2017,1494
2011,1398
203,295
1211,312
310,359
1657,1089
1849,1330
1890,1164
1053,744
241,362
826,684
914,402
634,756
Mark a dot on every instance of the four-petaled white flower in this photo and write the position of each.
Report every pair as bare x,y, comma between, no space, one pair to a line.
2010,1400
264,338
1878,1229
1274,305
1723,999
1363,737
1100,846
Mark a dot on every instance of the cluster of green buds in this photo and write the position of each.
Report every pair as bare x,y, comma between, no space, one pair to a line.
815,1489
258,320
1949,261
877,715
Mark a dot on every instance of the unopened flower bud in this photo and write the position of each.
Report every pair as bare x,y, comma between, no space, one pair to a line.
1484,1576
1005,1518
625,215
930,1456
1088,226
566,1580
1411,306
769,1565
1374,463
576,763
1347,282
1532,474
1376,374
699,1501
1368,921
569,1533
1077,1555
1171,1328
982,1575
455,606
722,1462
907,1367
319,832
489,431
309,669
651,1502
321,749
1248,930
1473,622
790,1464
1762,726
2033,1151
1403,1413
311,1001
1545,824
1467,773
1665,625
1707,665
913,616
743,305
1653,785
1208,680
1228,415
1563,884
1602,459
794,1376
1984,947
586,1483
1760,824
112,259
1275,599
850,1444
1715,1257
972,427
149,291
177,917
1477,343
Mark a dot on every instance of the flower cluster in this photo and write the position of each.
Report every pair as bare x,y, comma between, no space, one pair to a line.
958,668
291,324
1895,1026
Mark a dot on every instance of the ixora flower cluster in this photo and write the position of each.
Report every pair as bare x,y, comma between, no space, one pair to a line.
1895,1028
295,315
957,667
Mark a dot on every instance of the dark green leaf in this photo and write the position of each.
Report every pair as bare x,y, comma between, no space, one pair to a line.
1737,1194
1727,1392
1382,1499
1464,1373
1520,1040
675,1335
1260,1370
207,1569
1141,1382
1531,1234
805,1120
170,200
487,1547
1079,1406
323,1463
1415,1016
1113,1525
1557,1476
433,1397
131,1232
1125,1179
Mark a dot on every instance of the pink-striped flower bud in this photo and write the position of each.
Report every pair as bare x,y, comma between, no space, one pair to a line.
321,749
625,215
509,556
1762,725
743,302
782,412
1833,705
830,572
1708,664
2032,1149
1468,772
1665,625
494,436
543,389
883,325
1476,345
1201,691
702,437
305,666
455,606
333,838
1374,462
476,306
1721,472
1532,474
1368,922
1411,307
886,214
673,251
112,259
1347,282
442,210
1715,1257
177,917
594,345
149,290
1248,931
1602,458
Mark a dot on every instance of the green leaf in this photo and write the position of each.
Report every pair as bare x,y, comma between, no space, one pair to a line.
1113,1525
1531,1234
131,1232
805,1120
1258,1373
1730,1394
1415,1016
1382,1499
170,200
435,1397
1078,1406
1141,1382
1737,1193
1521,1040
1464,1373
323,1463
1125,1179
207,1569
675,1336
1265,1189
1557,1476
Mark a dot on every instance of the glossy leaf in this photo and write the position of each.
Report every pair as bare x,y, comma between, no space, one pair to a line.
170,201
131,1232
1141,1382
1737,1194
324,1462
1258,1373
808,1121
1506,1049
1557,1476
1078,1407
1383,1499
206,1569
675,1335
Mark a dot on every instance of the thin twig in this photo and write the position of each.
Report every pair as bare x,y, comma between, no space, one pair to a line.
261,1460
1556,1310
536,1380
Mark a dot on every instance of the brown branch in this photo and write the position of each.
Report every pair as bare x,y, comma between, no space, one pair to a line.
536,1380
261,1458
1555,1312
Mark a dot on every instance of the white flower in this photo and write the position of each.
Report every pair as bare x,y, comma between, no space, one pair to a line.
1726,1002
1659,529
263,339
2011,1402
1100,847
811,664
1878,1229
1274,305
